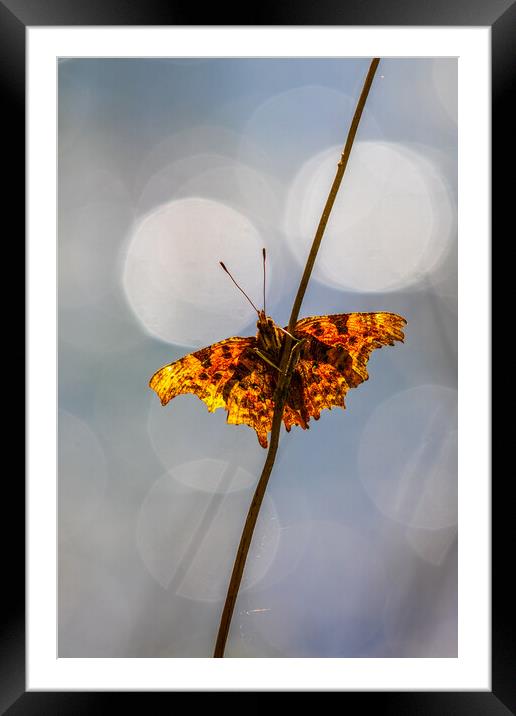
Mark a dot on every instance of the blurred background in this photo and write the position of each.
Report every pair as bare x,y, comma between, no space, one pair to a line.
166,167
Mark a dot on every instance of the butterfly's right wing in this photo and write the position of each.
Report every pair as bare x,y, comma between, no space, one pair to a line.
333,359
358,334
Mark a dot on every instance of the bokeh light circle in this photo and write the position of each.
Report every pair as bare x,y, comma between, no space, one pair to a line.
302,120
215,476
432,545
390,226
219,177
172,276
187,538
408,457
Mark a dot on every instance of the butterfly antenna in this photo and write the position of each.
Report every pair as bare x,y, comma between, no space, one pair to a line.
263,252
240,289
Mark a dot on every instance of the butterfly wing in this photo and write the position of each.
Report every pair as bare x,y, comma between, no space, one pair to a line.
228,374
250,399
334,359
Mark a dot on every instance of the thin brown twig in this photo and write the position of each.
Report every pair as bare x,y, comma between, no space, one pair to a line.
286,368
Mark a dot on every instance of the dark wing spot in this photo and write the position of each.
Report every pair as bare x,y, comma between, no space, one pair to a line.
204,357
340,324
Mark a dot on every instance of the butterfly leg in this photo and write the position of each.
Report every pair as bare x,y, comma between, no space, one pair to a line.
292,360
294,353
290,334
264,357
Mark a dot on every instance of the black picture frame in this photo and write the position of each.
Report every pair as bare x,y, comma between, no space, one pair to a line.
15,17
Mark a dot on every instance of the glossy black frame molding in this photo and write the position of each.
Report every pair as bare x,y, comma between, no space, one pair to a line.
15,16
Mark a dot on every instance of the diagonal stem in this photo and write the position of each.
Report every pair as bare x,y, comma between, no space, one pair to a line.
286,368
341,168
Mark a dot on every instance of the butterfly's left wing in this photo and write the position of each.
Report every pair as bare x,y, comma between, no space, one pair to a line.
333,359
228,374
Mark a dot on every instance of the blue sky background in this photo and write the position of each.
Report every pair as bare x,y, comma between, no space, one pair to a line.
167,167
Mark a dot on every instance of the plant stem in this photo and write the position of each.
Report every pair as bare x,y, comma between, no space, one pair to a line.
285,376
341,168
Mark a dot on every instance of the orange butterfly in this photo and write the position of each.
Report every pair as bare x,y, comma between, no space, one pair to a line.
241,374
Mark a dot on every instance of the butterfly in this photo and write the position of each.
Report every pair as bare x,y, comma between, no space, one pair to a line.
240,374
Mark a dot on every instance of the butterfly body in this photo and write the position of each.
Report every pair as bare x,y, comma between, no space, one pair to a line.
270,336
269,341
240,374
